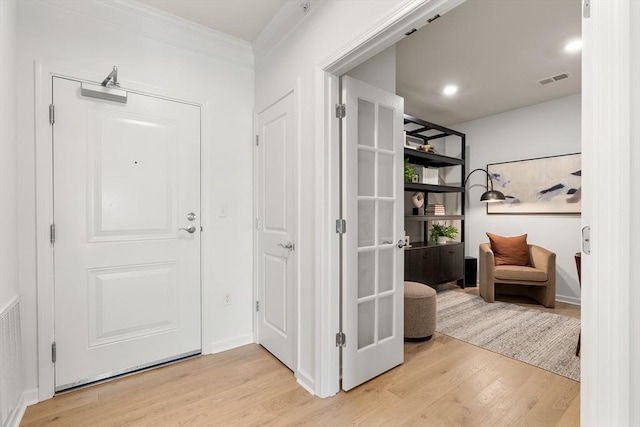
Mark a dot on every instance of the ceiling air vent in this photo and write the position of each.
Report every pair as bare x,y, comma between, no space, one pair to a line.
553,79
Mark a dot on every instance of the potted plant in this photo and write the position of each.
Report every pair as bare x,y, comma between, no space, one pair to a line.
441,233
409,171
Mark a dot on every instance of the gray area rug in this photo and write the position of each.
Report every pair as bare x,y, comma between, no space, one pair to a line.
541,339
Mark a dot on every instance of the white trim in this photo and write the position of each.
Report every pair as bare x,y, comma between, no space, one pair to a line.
305,382
389,30
16,414
606,273
28,398
7,306
327,240
44,210
568,300
231,343
166,28
288,18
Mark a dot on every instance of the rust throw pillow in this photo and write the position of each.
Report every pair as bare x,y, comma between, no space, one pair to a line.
509,250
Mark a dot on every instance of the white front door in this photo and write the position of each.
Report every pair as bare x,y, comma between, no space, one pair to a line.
127,273
373,264
276,233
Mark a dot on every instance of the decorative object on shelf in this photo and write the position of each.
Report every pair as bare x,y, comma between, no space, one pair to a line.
435,210
488,196
409,171
441,233
426,148
549,185
428,175
418,201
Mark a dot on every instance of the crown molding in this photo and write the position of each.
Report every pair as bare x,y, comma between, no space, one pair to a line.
164,27
288,18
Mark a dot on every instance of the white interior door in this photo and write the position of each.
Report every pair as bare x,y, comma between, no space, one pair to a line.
127,277
373,264
276,233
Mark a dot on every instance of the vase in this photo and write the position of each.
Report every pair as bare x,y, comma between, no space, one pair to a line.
442,240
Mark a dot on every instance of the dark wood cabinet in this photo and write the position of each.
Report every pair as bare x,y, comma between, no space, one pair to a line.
428,262
434,264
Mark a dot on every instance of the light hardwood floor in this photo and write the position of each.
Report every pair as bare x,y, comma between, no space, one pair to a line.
443,382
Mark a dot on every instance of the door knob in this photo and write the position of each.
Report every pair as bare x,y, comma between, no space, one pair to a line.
289,245
191,216
190,229
401,244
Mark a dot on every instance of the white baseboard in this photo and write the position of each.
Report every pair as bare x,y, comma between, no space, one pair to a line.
306,383
28,398
224,345
568,300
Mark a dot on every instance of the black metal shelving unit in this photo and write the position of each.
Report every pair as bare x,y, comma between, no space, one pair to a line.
426,262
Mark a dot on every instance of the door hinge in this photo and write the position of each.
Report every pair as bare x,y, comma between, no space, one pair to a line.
341,226
258,223
341,111
257,305
257,140
52,233
54,352
586,9
341,339
52,114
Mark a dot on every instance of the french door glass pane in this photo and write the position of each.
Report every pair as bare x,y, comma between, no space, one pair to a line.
385,269
366,123
366,223
366,270
366,181
385,128
366,323
385,175
385,317
385,222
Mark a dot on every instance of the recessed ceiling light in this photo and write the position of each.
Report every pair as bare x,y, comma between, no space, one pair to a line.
573,46
450,90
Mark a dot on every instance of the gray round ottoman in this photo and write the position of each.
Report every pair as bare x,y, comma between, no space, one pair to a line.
419,311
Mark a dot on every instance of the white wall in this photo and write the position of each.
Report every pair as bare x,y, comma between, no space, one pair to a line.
165,56
8,153
547,129
378,71
11,372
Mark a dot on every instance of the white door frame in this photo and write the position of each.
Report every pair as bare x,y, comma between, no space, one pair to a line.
44,210
605,392
408,15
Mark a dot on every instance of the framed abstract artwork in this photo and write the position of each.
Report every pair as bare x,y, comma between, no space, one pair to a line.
546,185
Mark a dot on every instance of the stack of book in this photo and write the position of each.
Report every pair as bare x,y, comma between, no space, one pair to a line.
434,209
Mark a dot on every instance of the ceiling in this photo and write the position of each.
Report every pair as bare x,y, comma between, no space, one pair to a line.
495,51
244,19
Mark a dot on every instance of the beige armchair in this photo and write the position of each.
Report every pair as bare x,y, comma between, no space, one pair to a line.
537,281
